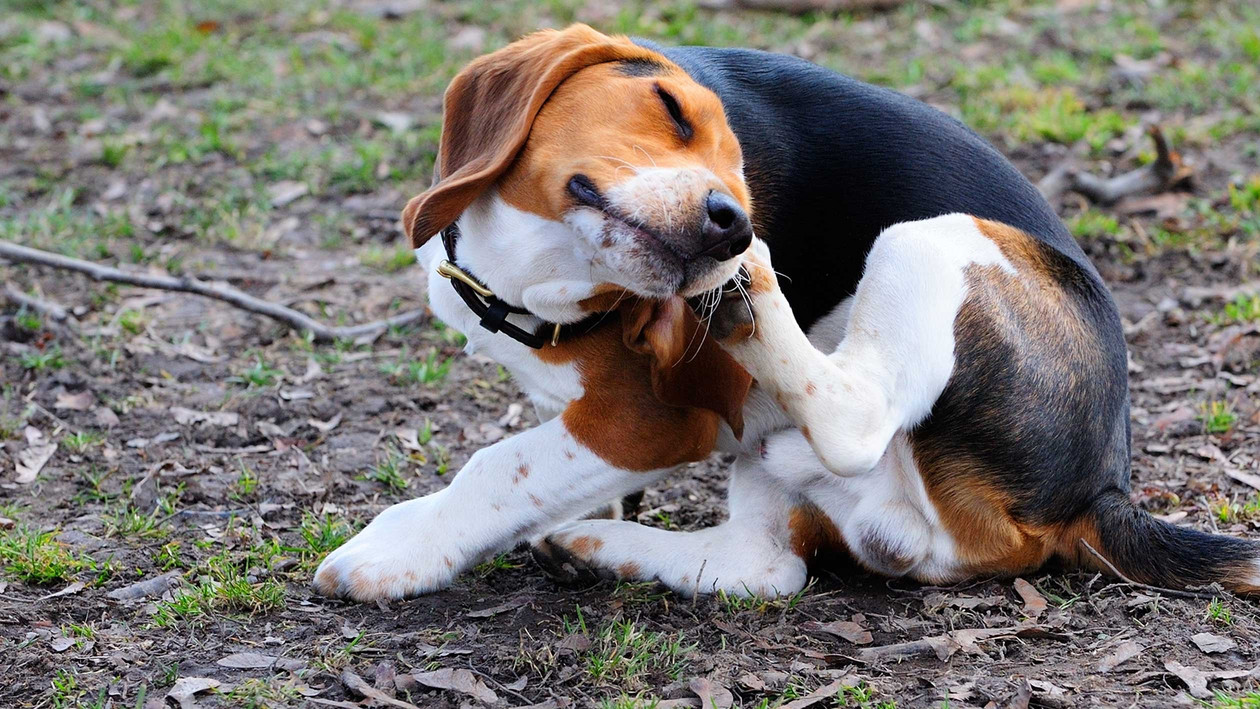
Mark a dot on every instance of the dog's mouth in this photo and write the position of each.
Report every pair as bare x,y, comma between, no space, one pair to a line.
648,260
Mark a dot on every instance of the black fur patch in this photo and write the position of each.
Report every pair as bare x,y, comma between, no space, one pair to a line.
640,67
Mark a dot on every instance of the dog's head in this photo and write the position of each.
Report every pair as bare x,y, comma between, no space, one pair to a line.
581,158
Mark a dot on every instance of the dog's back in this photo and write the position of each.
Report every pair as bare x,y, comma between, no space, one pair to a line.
833,161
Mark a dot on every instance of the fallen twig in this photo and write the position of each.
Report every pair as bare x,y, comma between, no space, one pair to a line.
945,646
297,320
1180,593
1164,173
43,307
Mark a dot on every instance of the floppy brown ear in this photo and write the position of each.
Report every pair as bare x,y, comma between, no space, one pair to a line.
688,368
489,109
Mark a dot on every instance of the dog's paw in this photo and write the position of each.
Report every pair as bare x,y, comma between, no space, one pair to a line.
399,555
753,294
565,568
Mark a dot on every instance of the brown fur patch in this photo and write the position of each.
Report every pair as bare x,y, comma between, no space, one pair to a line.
628,570
650,403
813,534
584,547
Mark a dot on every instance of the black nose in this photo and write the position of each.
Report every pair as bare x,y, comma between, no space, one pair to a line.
726,231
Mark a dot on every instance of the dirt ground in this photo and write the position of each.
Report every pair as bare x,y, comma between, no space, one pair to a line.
214,454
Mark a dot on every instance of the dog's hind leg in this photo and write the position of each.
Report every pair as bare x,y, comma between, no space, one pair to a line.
750,554
897,353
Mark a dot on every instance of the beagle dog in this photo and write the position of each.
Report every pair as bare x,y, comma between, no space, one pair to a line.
913,361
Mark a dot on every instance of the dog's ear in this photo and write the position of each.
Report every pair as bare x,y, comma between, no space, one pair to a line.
489,109
688,367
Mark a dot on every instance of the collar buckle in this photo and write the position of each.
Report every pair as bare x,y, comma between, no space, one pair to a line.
450,271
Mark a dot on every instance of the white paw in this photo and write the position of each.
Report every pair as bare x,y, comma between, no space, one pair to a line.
404,552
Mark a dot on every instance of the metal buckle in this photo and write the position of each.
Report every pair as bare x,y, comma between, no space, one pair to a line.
446,269
555,335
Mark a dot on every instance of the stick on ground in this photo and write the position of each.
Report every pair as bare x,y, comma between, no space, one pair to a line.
43,307
294,319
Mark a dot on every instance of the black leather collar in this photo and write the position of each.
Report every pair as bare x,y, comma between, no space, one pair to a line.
493,312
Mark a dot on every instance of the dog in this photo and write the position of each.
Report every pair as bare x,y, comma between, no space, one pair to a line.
682,250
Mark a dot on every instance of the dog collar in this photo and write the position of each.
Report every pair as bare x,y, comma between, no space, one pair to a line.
492,312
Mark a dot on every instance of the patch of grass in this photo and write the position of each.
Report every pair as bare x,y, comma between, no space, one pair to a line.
256,693
1218,612
1243,309
388,260
1250,700
389,471
245,484
1228,511
320,535
83,440
1093,223
259,375
623,653
65,689
498,563
28,320
41,360
133,322
224,587
429,370
113,152
734,604
626,701
861,696
36,557
1217,416
1064,597
132,524
168,557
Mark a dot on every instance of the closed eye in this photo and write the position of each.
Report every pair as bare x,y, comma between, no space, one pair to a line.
675,113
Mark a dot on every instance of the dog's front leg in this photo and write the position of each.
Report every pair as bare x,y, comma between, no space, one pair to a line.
516,489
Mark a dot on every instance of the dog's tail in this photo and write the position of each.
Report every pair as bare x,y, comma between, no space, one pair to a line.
1154,552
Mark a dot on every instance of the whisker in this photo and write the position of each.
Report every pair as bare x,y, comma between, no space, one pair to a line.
645,153
752,317
626,163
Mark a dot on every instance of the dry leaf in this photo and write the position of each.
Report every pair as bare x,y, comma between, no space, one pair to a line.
246,661
712,695
148,587
1196,680
457,680
61,644
284,192
72,588
356,684
187,687
845,629
36,455
1124,652
751,682
502,608
1244,478
1034,602
324,426
1210,643
188,417
75,402
105,417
